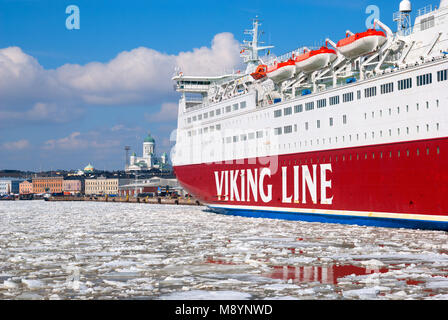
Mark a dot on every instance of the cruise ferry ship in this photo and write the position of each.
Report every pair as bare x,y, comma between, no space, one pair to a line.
354,131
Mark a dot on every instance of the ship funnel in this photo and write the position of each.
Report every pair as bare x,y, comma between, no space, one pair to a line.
406,6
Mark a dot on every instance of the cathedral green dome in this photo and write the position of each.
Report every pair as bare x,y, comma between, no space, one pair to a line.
149,139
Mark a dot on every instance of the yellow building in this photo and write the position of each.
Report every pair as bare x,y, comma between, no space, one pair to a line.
103,186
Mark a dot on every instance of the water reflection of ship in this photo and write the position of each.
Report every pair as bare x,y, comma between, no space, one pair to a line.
323,274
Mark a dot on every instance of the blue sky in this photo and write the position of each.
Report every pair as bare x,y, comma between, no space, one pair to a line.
71,97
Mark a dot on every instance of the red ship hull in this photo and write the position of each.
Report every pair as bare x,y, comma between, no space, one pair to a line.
391,185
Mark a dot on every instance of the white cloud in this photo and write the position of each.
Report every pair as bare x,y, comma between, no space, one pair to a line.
31,93
222,57
94,140
16,145
168,112
46,112
71,142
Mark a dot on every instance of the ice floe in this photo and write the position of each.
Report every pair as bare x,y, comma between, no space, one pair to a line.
87,250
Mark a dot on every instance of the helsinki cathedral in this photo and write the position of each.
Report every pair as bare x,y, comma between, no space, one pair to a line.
149,160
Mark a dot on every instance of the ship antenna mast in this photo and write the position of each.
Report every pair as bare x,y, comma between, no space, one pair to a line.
251,48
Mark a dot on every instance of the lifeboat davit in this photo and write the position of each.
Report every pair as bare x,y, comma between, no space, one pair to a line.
314,60
281,71
361,43
260,72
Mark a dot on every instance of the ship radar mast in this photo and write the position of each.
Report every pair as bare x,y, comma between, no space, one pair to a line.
403,18
250,49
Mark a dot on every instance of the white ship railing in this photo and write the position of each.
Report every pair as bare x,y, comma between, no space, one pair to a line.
269,60
425,10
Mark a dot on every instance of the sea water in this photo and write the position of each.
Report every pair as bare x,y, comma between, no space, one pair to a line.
92,250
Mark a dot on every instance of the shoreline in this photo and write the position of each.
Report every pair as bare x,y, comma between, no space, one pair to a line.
147,200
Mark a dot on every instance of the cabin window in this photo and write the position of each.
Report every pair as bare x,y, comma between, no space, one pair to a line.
427,23
277,113
387,88
424,79
347,97
287,111
298,108
405,84
287,129
370,92
309,106
334,100
243,104
278,131
442,75
321,103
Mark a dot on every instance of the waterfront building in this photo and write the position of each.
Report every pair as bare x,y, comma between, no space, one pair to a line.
10,185
149,160
153,185
26,187
47,185
72,186
103,185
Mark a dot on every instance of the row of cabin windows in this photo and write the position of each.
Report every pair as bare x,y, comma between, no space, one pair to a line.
368,155
244,137
217,112
288,129
404,84
351,137
204,130
399,109
323,141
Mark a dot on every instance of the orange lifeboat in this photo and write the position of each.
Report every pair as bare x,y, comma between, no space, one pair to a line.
281,71
361,43
314,60
260,72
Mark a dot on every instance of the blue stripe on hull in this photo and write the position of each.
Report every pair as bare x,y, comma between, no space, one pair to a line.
340,219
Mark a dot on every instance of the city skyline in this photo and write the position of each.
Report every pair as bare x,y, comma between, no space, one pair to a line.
69,97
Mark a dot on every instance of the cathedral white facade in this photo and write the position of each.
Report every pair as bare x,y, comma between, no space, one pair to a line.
148,160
